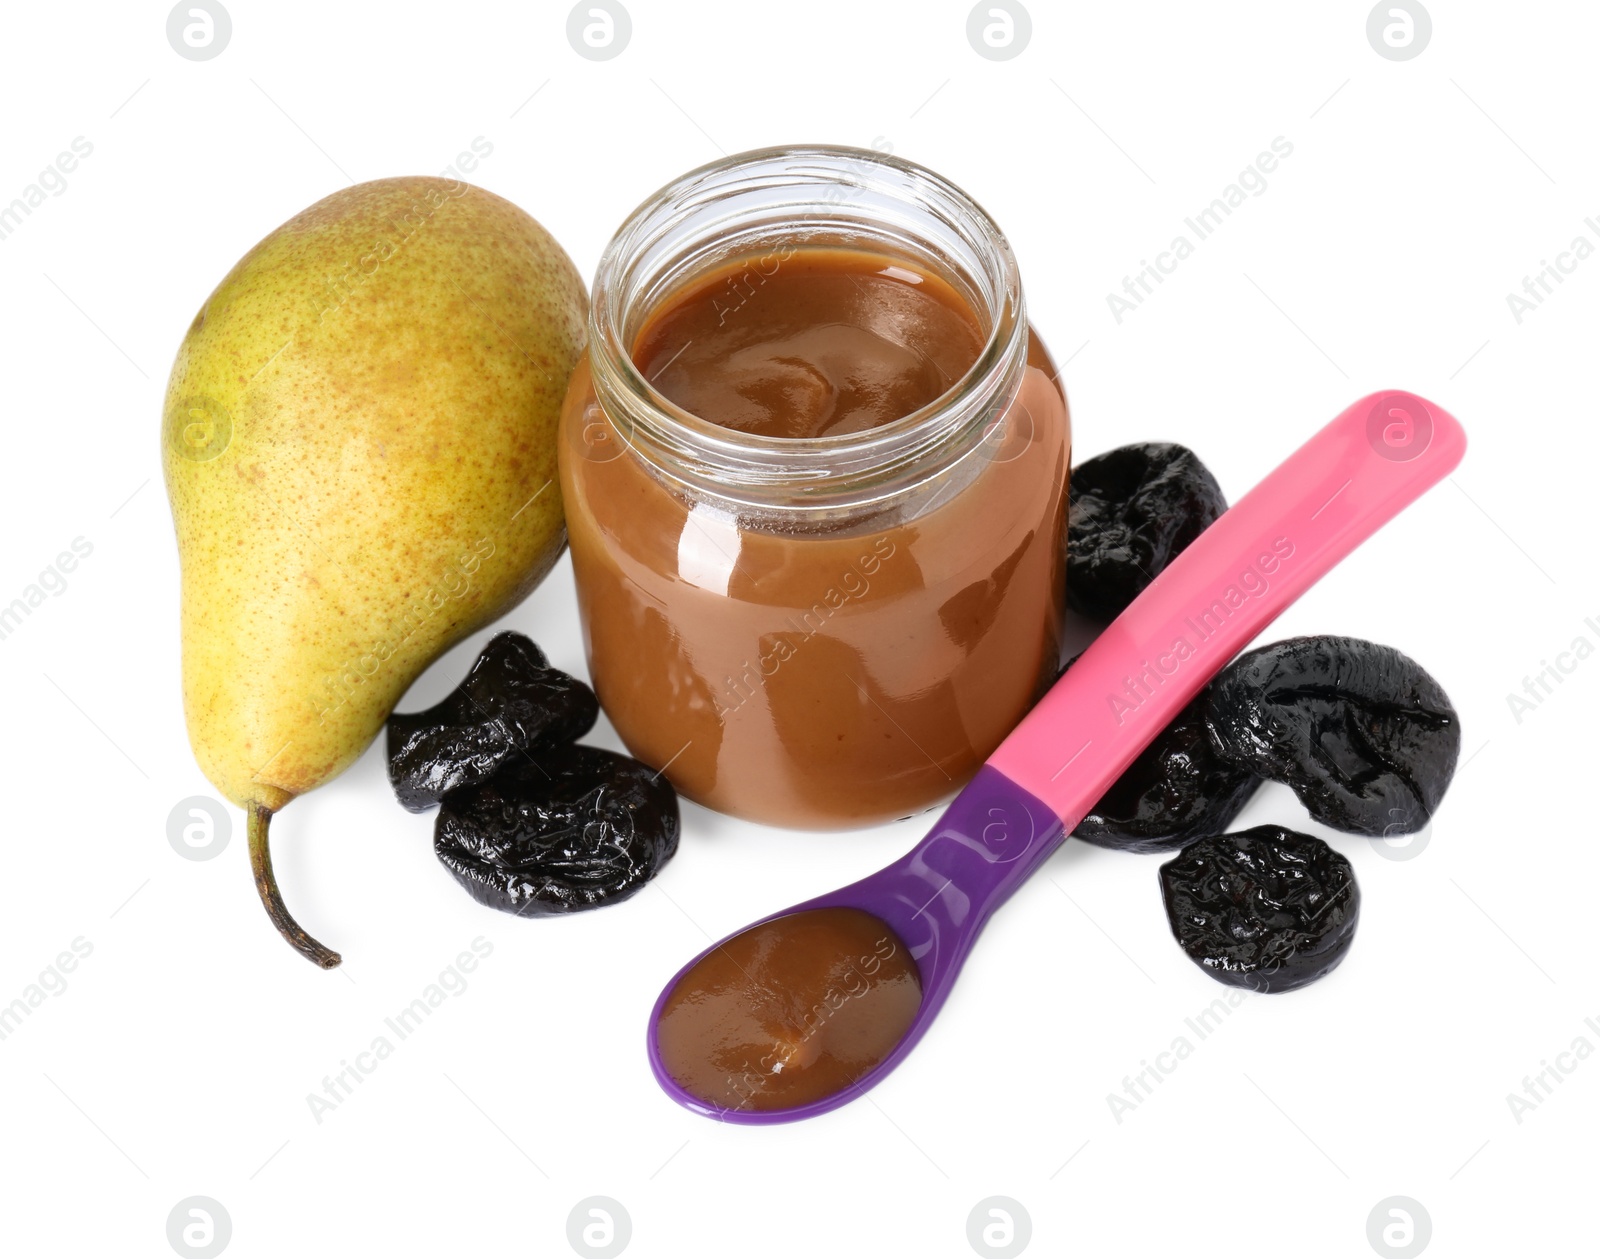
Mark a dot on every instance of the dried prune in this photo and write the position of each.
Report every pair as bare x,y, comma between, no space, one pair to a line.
1129,512
1177,790
510,703
571,829
1268,908
1361,732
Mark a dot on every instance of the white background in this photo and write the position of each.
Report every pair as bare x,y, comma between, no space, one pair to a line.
1419,194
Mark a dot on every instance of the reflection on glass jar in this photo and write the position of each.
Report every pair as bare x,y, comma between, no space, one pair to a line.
814,467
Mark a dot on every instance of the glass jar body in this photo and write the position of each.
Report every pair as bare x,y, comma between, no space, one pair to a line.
832,675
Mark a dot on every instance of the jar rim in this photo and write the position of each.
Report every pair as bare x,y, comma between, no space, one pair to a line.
751,469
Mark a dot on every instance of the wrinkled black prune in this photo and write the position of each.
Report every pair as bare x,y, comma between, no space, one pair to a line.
510,703
1177,790
1268,908
1129,512
1361,732
565,830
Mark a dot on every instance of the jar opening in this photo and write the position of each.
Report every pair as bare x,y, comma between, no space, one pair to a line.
755,206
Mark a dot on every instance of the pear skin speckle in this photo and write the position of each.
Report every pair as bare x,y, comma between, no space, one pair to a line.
359,447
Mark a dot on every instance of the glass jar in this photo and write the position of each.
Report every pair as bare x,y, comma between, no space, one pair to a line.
822,631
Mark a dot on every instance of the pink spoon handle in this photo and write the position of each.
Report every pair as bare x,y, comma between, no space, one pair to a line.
1347,481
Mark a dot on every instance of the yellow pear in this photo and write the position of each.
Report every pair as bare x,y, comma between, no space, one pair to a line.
359,447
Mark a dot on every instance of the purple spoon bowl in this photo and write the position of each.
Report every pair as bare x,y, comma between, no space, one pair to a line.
936,898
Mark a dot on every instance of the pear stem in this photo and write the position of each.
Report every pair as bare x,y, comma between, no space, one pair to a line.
260,817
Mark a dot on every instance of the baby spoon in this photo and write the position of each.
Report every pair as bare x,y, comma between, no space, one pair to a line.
1340,486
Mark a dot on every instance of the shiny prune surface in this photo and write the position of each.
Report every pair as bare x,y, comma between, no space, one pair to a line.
510,703
1129,512
1177,790
559,831
1361,732
1268,909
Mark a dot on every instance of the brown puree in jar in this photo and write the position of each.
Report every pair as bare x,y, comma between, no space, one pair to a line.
789,1012
834,341
803,676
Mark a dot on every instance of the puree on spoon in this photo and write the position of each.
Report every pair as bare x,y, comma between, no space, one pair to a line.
789,1012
